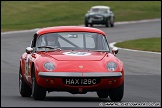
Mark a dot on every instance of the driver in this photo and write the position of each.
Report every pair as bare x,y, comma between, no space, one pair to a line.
52,40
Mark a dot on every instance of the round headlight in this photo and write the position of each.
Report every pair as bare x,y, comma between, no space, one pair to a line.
49,66
111,66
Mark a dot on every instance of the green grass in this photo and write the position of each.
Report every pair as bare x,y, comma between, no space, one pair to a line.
19,15
146,44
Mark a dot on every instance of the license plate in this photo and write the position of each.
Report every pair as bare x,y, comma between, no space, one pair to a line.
81,81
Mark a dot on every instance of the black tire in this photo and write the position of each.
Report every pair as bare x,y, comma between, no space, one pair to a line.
38,92
117,93
86,23
103,94
112,23
107,23
24,89
91,25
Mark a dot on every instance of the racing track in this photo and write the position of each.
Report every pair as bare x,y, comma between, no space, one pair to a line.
142,70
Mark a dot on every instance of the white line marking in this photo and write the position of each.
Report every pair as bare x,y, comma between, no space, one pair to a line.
116,23
20,31
139,21
113,43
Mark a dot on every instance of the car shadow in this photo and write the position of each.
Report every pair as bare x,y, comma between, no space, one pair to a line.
76,99
101,26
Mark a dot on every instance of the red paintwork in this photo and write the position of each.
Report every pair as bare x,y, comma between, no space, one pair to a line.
69,29
95,62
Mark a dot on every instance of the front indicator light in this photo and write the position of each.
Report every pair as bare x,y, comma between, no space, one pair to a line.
109,82
51,81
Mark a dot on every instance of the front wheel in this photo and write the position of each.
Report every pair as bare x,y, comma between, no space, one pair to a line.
86,23
38,92
91,24
24,89
107,23
112,22
117,93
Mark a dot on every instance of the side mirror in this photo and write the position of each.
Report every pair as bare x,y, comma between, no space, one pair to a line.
114,50
29,50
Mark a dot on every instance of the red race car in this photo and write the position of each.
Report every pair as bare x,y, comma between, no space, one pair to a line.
73,59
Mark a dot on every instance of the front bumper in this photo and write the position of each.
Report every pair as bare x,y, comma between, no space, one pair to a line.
54,80
91,20
80,74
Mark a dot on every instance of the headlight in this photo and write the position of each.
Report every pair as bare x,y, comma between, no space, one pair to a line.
111,66
49,66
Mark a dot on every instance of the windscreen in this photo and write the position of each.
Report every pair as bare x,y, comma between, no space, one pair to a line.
99,10
73,41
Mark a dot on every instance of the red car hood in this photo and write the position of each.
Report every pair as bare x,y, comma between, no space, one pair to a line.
75,55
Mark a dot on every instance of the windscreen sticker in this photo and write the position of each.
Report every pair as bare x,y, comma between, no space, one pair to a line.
77,53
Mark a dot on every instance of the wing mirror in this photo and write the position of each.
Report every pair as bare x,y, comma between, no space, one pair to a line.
114,50
29,50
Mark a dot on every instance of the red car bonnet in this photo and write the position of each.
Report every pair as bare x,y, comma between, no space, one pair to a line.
65,55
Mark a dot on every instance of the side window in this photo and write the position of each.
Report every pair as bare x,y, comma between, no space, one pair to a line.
105,44
41,41
33,43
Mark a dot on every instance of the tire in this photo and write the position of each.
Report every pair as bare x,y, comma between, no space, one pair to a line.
107,23
103,94
91,25
24,89
117,93
86,23
38,92
112,22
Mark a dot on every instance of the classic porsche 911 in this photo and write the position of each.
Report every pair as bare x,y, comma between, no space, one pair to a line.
74,59
100,15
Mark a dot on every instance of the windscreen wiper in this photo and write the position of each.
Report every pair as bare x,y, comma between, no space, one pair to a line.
100,50
50,47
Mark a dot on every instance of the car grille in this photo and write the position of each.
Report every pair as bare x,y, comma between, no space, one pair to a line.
96,18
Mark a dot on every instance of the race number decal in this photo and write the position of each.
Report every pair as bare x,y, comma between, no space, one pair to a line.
77,53
27,66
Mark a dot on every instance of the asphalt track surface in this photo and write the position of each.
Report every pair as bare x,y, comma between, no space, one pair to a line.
142,70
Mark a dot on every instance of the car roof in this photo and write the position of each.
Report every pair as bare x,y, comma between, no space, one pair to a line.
106,7
69,29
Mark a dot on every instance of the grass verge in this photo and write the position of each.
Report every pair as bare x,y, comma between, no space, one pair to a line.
145,44
20,15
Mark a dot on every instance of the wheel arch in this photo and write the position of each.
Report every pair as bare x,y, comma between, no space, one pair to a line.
22,71
34,70
32,67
